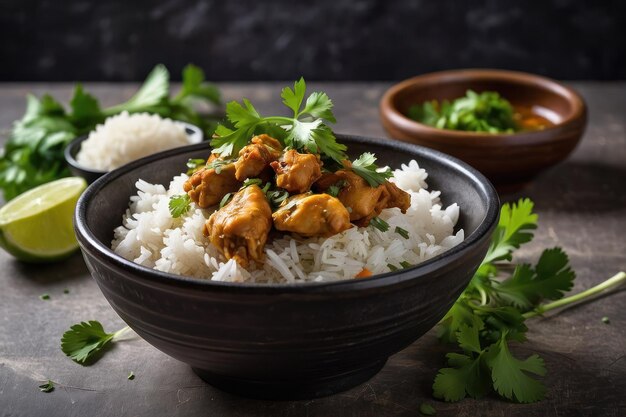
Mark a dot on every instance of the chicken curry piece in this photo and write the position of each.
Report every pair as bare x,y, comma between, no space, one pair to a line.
239,230
295,172
207,186
312,215
256,157
364,201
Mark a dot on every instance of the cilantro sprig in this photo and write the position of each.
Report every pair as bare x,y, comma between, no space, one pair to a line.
306,130
492,312
365,167
83,340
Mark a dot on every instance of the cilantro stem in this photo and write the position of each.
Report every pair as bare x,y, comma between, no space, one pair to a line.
120,332
613,282
278,119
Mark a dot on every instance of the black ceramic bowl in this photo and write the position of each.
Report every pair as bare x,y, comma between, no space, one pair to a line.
90,175
290,340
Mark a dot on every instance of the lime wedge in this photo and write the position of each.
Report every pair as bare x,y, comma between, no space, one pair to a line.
37,226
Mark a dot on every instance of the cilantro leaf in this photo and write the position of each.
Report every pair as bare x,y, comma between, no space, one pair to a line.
467,376
194,164
427,409
131,375
510,375
301,135
242,116
85,339
365,167
151,94
194,86
319,105
549,280
48,386
227,142
460,313
179,205
86,111
293,98
514,229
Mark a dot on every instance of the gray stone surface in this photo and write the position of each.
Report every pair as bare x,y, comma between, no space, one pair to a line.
582,207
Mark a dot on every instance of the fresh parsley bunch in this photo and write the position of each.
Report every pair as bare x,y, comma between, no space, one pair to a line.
33,155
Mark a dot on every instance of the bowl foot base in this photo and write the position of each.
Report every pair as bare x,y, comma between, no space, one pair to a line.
291,389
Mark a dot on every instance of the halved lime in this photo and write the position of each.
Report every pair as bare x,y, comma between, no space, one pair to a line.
37,226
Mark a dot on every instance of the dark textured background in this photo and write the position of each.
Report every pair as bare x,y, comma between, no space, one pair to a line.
323,40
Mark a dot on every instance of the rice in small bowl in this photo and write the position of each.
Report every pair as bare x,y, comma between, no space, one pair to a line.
124,138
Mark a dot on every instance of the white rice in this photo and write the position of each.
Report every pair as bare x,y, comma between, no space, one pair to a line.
126,137
151,237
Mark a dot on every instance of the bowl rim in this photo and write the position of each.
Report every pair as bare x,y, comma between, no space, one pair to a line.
196,135
90,243
395,117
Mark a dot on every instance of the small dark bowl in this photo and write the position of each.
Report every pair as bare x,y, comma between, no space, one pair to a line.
290,340
90,175
508,160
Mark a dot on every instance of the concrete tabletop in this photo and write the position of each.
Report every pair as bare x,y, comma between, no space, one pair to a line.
581,206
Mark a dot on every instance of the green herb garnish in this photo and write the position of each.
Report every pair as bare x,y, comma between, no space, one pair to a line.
131,375
85,339
606,320
379,224
218,164
484,112
47,387
33,154
402,232
492,312
405,264
427,409
306,130
225,199
251,181
366,168
66,291
179,205
392,267
194,164
277,197
44,297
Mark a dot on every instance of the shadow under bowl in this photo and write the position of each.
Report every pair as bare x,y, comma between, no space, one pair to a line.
194,133
285,341
508,160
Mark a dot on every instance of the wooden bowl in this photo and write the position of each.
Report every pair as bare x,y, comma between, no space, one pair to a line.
508,160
